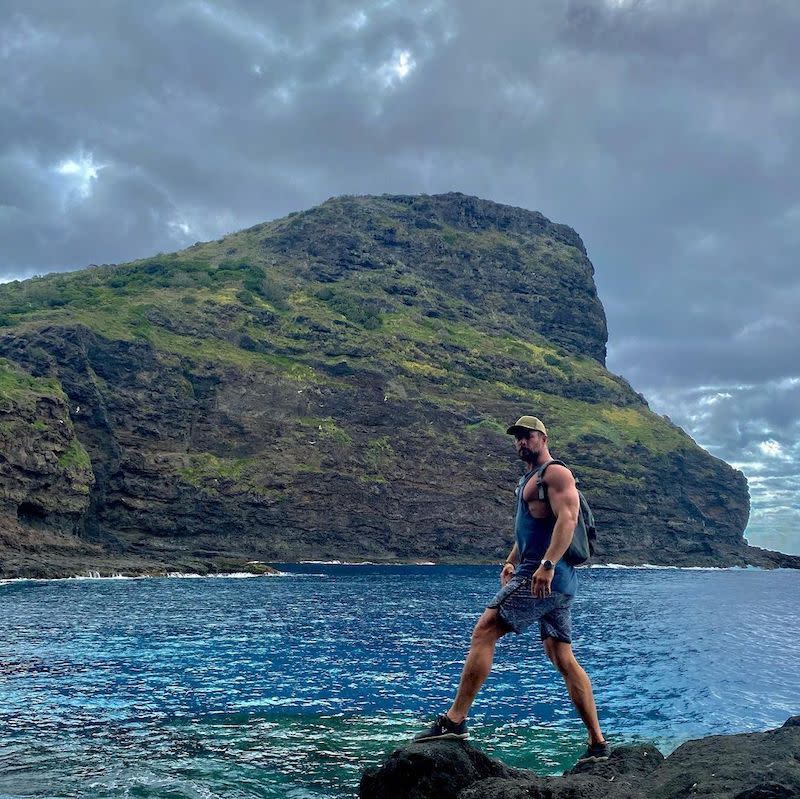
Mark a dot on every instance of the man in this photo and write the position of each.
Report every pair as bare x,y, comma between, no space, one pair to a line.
537,585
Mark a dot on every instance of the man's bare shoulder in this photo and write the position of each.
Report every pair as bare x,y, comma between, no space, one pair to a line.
558,476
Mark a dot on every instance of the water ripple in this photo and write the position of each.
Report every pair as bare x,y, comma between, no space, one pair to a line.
288,688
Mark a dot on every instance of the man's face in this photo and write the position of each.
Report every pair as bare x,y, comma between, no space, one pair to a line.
528,444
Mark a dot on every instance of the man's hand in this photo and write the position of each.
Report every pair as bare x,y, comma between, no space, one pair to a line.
541,581
507,573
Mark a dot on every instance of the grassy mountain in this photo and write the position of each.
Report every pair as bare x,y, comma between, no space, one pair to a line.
334,384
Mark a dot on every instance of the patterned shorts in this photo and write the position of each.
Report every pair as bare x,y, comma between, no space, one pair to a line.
518,609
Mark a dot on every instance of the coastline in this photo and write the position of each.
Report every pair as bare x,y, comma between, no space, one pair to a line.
238,575
43,564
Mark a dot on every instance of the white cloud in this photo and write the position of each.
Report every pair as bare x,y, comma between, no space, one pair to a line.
771,448
358,20
81,172
397,68
180,227
713,399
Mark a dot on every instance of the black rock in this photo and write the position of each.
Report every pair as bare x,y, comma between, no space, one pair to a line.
724,766
761,765
532,787
430,770
624,762
768,790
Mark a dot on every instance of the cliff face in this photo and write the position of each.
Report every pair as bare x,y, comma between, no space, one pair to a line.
335,384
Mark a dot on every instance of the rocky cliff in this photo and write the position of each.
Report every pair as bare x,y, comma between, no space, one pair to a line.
335,384
759,765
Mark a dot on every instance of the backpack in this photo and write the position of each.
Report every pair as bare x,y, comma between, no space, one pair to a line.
585,535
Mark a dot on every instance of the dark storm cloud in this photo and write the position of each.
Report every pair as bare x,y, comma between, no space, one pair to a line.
666,133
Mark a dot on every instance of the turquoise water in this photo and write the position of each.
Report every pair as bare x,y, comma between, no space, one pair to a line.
288,686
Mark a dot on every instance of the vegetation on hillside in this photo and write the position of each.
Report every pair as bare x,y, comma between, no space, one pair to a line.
252,301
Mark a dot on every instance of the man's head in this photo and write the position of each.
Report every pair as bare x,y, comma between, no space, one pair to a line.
530,437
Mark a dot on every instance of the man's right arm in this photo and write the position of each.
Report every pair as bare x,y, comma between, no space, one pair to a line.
509,565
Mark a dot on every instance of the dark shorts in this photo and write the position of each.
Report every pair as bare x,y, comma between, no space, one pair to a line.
518,609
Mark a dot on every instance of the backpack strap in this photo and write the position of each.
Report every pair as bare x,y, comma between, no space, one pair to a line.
541,487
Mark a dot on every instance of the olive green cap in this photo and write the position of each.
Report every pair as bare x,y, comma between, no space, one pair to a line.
527,423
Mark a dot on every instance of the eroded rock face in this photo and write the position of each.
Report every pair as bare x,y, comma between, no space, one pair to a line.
749,766
45,474
402,335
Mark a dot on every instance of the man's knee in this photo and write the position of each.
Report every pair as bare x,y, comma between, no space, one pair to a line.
488,628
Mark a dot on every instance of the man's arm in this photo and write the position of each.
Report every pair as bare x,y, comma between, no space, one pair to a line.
513,556
508,567
563,497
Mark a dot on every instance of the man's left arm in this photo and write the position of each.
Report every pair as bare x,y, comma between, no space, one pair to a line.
563,497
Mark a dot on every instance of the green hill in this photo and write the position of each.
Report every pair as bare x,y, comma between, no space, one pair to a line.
334,384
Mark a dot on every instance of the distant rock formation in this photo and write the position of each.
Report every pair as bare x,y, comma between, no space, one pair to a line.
334,384
761,765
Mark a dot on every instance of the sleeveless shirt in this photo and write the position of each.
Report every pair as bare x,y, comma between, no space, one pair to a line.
533,538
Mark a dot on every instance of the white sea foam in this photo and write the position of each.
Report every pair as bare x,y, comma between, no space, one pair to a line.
224,575
340,563
362,563
170,575
673,568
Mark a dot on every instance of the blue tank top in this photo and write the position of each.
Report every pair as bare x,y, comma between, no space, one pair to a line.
533,537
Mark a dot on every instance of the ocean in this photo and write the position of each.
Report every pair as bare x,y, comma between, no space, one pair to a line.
288,686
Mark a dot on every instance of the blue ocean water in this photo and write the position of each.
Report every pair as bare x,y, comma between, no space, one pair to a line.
288,686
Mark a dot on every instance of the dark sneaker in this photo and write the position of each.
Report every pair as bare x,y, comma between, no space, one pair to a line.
595,752
444,730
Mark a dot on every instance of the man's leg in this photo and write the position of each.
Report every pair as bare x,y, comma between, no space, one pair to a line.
478,664
578,685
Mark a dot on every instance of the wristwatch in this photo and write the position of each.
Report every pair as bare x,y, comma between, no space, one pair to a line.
548,565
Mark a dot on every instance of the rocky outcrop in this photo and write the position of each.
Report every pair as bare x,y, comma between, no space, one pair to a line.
337,384
497,260
45,474
763,765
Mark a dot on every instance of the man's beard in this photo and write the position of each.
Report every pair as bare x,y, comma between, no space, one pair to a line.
529,455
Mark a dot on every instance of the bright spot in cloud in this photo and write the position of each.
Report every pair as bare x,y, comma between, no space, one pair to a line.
284,94
358,20
398,68
83,171
713,399
180,227
404,64
771,448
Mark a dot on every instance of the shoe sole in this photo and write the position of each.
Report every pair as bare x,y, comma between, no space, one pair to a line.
593,759
448,736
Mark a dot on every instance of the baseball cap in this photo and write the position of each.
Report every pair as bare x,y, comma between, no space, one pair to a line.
527,423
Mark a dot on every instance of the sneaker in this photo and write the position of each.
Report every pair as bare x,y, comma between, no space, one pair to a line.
444,730
595,752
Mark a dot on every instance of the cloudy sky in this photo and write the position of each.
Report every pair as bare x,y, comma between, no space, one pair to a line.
666,132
